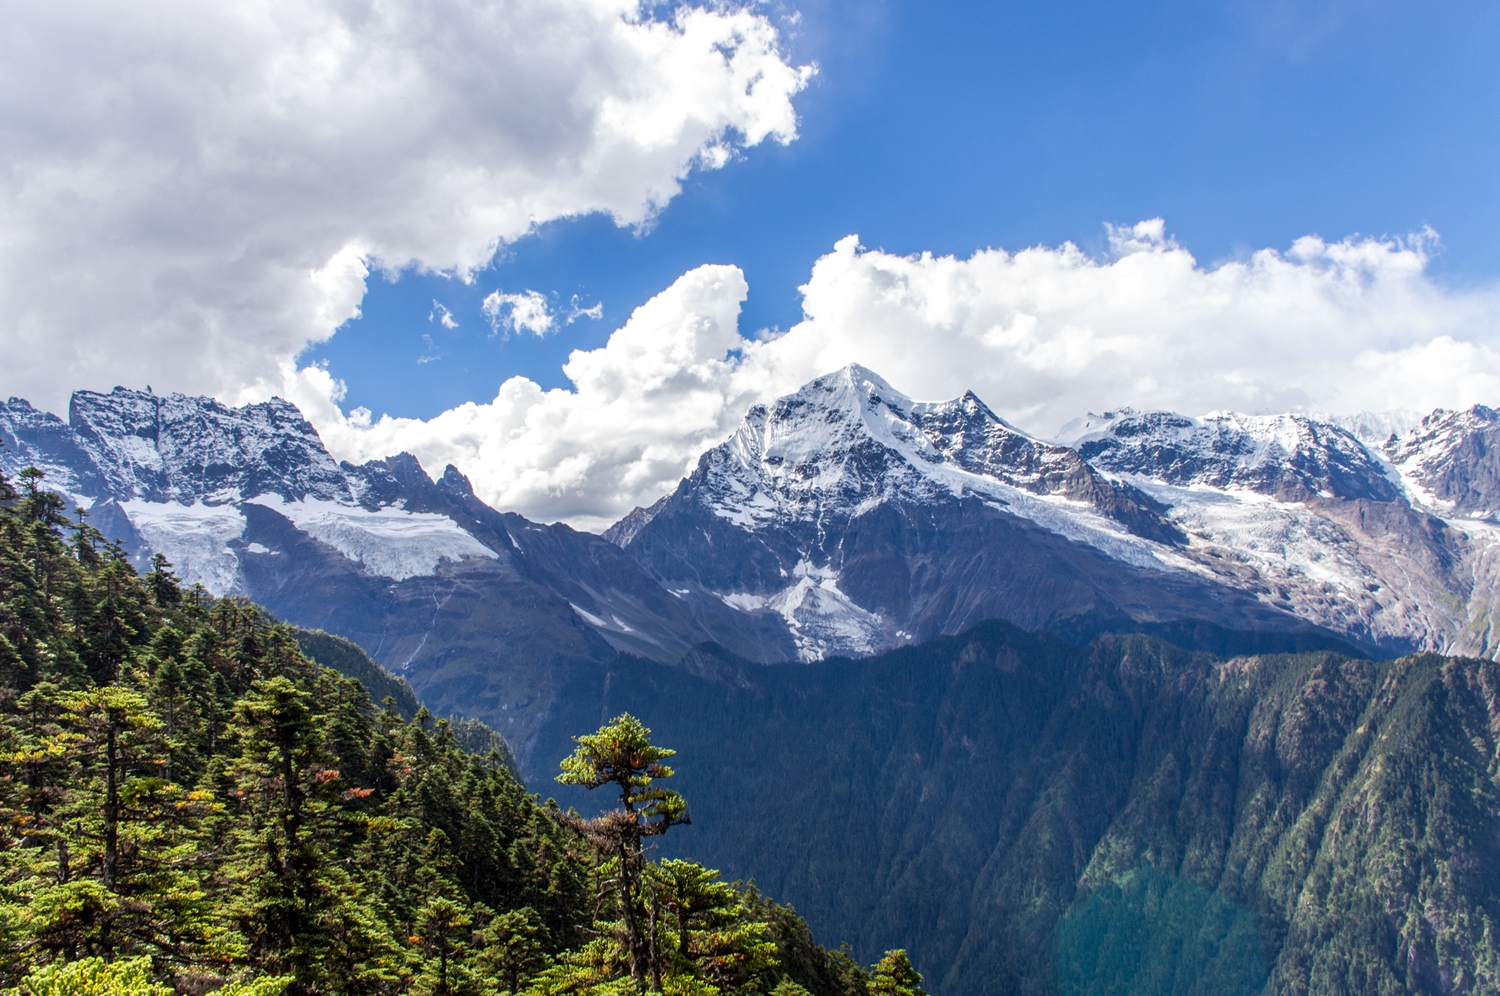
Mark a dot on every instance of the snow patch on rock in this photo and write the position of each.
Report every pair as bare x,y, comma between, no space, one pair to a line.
390,542
194,538
823,620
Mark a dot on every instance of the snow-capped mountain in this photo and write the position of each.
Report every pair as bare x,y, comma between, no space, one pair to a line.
428,579
866,519
1290,458
172,475
1377,526
844,518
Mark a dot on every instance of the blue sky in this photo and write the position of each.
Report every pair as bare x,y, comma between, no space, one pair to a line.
950,127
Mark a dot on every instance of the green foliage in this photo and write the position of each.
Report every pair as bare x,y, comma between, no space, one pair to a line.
998,803
1150,932
189,800
621,754
126,977
894,976
95,977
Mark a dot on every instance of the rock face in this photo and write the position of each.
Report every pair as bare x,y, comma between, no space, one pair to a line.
1451,462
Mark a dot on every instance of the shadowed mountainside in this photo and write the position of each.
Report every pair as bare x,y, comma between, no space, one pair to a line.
1024,814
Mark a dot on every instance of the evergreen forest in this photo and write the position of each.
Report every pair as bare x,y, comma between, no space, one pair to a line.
1125,817
191,803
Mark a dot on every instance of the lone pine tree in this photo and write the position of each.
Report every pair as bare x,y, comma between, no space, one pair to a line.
621,754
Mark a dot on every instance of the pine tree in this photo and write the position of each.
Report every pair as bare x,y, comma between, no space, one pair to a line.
894,975
512,948
163,584
719,935
696,899
621,754
442,929
285,784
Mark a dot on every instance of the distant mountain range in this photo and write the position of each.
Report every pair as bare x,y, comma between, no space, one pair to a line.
844,519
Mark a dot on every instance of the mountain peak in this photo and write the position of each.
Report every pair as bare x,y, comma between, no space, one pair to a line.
848,438
183,448
1451,461
831,506
857,374
1287,456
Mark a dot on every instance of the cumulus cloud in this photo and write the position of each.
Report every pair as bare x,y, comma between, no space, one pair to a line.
1042,334
643,406
194,191
524,312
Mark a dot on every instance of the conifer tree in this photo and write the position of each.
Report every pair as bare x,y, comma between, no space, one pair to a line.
719,937
512,948
443,931
621,754
162,583
284,781
894,975
696,899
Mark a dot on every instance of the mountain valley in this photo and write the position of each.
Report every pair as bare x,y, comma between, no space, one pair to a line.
1033,817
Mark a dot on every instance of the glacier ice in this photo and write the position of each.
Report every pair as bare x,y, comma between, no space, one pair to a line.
390,542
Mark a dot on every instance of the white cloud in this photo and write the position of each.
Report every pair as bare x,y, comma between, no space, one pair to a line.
644,405
442,316
594,312
524,312
1042,334
194,191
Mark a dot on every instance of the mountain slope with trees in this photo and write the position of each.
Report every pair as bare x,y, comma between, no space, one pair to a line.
188,800
1029,816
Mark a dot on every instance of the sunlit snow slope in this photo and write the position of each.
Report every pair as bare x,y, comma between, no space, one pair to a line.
866,520
1379,526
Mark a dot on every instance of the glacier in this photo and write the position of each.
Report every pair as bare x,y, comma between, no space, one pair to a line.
389,541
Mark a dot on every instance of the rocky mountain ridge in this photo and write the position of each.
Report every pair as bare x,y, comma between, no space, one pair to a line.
811,510
1378,526
1291,458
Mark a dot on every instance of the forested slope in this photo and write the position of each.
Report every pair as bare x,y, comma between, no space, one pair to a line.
188,800
1127,817
350,660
